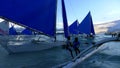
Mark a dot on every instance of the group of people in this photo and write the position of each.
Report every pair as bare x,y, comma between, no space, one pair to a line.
119,35
114,34
73,46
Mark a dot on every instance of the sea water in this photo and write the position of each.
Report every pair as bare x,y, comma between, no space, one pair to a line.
107,58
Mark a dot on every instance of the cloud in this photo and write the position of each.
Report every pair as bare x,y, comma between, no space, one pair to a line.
113,12
60,24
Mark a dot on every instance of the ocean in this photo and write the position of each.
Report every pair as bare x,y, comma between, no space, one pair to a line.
107,58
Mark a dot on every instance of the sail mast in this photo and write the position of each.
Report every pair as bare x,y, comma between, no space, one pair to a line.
55,21
65,22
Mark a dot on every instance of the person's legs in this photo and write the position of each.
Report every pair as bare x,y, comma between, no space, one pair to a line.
71,52
77,51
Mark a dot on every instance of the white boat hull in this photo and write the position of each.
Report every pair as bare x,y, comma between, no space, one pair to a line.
26,44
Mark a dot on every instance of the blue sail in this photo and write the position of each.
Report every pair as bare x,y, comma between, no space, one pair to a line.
39,15
73,28
26,32
12,31
86,26
65,22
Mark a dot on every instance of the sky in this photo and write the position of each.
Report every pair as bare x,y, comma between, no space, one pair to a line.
101,10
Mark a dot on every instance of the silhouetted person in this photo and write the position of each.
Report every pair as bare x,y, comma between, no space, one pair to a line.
76,45
69,46
118,35
112,35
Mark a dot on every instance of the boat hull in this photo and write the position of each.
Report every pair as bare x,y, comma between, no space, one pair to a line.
32,46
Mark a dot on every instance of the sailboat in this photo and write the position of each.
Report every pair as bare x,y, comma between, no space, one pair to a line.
73,28
36,15
86,26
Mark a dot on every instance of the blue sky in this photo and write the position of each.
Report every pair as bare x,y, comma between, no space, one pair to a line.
101,10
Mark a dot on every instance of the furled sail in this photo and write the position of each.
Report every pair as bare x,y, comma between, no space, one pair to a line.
39,15
65,22
73,28
12,31
26,32
86,26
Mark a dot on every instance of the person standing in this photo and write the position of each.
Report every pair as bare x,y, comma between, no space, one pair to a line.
69,46
118,35
76,45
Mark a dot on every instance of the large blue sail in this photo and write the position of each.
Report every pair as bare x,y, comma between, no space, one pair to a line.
65,22
39,15
26,32
73,28
12,31
86,26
